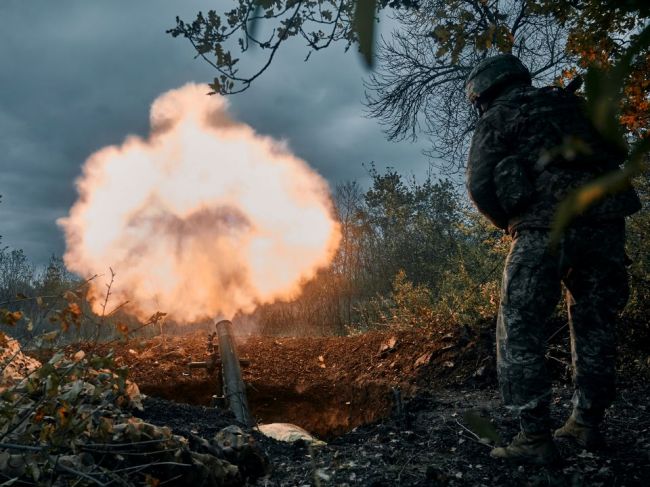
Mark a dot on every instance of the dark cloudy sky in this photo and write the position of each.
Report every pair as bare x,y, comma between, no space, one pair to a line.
77,75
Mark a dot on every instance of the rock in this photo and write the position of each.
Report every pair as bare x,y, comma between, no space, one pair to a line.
289,433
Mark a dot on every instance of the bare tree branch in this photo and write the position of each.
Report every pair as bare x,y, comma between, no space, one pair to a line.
419,86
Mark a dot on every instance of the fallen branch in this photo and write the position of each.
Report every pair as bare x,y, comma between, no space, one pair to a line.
14,446
154,464
78,473
123,445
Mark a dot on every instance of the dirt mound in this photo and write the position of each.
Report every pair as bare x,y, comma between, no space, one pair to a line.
354,391
327,385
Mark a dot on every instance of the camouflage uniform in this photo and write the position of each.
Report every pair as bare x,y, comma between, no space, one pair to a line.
590,263
516,177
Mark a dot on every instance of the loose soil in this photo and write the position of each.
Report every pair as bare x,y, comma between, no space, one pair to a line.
391,405
327,385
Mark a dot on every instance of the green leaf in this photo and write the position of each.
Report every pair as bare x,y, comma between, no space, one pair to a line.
52,384
364,26
73,393
45,371
106,362
56,358
216,86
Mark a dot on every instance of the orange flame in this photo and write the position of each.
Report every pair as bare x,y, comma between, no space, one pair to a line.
203,218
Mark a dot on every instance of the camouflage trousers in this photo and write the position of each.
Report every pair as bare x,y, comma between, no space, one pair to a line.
590,261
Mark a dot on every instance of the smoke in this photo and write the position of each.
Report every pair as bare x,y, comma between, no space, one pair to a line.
203,218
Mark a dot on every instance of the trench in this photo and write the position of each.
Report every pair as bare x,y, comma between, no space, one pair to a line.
326,410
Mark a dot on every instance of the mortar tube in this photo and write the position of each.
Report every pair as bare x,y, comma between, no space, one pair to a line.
234,388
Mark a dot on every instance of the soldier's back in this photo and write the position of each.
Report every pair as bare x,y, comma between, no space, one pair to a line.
559,150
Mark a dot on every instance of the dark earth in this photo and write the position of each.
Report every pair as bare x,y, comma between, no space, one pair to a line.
393,407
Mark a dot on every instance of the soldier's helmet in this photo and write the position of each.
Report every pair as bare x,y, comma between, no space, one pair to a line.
492,73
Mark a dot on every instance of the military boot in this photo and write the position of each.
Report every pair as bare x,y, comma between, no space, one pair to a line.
587,436
537,449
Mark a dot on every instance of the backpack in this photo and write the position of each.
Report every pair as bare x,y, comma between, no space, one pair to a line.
551,128
549,132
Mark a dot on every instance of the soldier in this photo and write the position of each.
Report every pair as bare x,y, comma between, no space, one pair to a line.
530,148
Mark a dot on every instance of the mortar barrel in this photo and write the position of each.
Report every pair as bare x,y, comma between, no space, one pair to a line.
235,390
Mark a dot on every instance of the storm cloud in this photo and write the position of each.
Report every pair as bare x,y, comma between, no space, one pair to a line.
79,75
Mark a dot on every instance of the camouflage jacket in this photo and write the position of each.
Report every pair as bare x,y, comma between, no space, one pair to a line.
533,146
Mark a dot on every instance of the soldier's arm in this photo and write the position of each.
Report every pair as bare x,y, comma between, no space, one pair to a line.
488,148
